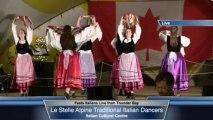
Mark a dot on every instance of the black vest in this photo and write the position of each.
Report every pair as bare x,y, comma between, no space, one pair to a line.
128,47
171,48
86,46
23,48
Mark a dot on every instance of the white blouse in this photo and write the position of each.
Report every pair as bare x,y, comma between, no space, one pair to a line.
185,41
113,43
89,33
136,35
54,39
29,33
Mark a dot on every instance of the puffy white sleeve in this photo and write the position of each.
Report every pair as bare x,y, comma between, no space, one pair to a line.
48,40
54,39
91,34
120,32
113,43
84,34
185,41
182,51
29,34
15,35
98,34
163,35
137,34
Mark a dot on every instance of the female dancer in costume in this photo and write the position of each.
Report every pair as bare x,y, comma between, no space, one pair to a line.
127,72
23,69
67,73
173,61
117,45
84,46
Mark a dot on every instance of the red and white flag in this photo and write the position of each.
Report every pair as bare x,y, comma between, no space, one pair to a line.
150,49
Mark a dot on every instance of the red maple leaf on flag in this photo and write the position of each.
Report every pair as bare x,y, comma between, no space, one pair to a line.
149,37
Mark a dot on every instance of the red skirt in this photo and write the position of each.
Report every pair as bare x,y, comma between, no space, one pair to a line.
68,76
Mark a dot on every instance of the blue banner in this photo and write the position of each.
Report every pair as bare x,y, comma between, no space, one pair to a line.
45,108
27,101
185,22
126,109
25,108
185,101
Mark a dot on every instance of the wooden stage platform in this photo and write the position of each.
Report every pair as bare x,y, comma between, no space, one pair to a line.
140,94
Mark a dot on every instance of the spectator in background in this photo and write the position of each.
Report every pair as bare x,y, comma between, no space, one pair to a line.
164,84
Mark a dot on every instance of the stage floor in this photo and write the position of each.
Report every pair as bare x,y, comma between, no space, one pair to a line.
140,94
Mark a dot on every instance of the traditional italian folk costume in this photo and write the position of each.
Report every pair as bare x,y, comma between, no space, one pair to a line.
174,60
23,69
126,71
67,74
84,42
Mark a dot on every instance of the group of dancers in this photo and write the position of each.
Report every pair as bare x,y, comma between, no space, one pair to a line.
76,68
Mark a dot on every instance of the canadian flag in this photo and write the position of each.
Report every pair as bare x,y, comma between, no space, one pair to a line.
150,49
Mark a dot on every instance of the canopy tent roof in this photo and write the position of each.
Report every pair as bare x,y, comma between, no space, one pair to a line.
40,11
